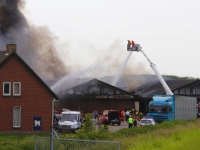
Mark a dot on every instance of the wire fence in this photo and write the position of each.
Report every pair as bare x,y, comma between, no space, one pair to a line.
44,143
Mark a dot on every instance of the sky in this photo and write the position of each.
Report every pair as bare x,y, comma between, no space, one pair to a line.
91,32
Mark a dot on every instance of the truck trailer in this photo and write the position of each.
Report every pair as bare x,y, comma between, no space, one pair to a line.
171,107
168,107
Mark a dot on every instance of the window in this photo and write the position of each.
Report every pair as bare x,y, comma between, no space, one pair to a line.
6,89
16,89
17,116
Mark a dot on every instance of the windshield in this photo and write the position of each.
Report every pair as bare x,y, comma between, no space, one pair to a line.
69,117
160,109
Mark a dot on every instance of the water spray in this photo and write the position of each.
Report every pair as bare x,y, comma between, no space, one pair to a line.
131,46
121,69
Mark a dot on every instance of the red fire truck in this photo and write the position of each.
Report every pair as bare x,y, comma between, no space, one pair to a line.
112,117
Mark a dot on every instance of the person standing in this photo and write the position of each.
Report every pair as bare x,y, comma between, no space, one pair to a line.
94,122
129,45
99,121
96,114
130,122
122,115
133,44
141,115
93,113
127,115
135,122
106,123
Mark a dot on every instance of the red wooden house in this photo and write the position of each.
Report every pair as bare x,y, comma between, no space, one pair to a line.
26,102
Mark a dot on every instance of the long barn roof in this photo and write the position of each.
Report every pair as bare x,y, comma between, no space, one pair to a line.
93,87
149,89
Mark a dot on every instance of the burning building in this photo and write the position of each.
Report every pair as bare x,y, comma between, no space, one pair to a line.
96,95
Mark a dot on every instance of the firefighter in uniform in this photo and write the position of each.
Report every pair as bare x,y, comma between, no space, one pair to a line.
129,44
130,122
141,115
106,123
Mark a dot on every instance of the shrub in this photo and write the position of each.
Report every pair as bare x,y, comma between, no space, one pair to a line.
87,131
27,143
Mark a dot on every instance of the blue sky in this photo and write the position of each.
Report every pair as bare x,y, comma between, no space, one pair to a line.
96,32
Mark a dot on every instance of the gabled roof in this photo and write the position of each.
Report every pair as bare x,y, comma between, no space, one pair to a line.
94,87
14,54
149,89
91,82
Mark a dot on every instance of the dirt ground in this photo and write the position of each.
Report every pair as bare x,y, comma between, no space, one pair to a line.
113,128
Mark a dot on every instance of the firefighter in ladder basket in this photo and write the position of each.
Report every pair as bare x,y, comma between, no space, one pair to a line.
131,46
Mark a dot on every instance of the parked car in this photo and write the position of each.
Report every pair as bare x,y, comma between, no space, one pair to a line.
146,121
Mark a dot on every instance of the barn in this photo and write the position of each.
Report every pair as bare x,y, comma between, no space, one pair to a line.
96,95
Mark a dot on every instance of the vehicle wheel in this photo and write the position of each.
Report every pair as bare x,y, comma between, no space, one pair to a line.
118,124
113,124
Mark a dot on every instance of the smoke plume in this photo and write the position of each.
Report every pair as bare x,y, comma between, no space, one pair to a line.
39,48
36,45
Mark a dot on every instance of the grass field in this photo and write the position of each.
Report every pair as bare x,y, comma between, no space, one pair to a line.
184,136
174,135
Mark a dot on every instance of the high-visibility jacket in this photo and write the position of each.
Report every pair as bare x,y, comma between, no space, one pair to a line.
130,120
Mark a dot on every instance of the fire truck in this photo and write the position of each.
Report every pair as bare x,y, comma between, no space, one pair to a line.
168,106
112,117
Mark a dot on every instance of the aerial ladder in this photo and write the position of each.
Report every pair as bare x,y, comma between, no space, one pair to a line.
131,46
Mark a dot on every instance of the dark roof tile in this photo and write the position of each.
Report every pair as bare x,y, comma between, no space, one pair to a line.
149,89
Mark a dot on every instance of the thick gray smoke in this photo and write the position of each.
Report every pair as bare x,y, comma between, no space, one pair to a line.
36,45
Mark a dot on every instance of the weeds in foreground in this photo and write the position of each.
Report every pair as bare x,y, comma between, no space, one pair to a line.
173,135
184,135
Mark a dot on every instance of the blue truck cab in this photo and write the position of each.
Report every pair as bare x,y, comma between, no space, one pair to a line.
162,108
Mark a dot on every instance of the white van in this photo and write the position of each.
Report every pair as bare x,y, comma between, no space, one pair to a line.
70,119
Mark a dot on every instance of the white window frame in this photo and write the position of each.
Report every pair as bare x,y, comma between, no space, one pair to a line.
18,94
16,117
7,94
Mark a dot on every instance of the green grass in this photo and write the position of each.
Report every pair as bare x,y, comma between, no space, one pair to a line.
176,135
179,139
18,141
173,135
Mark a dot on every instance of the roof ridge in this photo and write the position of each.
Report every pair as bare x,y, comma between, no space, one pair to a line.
29,69
185,84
